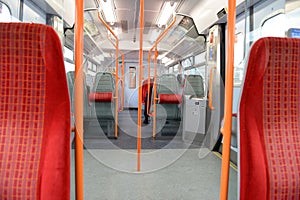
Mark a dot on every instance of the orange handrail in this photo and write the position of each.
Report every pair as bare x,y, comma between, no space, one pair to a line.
123,57
154,94
160,37
123,79
117,71
210,100
148,86
78,99
163,34
139,135
121,108
226,130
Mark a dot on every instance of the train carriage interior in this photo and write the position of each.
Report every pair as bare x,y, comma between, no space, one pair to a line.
150,99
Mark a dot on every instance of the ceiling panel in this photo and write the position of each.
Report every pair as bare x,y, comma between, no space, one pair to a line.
126,15
188,5
150,16
125,4
89,4
128,12
153,5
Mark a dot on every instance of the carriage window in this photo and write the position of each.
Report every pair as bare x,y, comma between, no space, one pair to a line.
239,48
132,77
175,68
200,59
69,66
186,63
32,14
68,54
239,58
271,26
57,23
292,22
5,14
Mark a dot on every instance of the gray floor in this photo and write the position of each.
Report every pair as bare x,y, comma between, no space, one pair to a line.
165,174
95,139
170,169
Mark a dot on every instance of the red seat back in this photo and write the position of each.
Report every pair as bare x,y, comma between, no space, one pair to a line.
270,121
35,114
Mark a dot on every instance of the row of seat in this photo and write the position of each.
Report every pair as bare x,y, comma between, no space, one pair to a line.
168,92
170,98
102,96
86,105
35,117
98,102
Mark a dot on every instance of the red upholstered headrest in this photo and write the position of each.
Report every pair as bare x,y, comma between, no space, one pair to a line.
170,98
269,121
101,96
34,114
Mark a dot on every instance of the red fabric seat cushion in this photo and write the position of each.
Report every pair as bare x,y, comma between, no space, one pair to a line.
270,121
170,98
101,96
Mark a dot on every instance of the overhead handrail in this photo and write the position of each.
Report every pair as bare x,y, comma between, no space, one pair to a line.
160,37
210,93
78,99
139,131
226,129
117,71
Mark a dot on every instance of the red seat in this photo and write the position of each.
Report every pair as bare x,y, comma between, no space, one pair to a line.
170,98
101,96
270,121
35,114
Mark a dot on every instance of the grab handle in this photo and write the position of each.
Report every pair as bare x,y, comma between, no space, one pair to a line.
210,99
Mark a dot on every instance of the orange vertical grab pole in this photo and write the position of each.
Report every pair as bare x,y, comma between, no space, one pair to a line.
154,94
226,130
117,92
123,80
148,86
140,87
79,99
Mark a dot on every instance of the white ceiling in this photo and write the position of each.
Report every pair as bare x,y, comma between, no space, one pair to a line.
204,13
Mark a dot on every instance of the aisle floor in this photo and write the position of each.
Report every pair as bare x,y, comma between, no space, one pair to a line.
190,174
